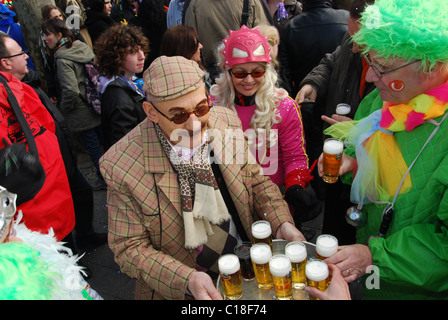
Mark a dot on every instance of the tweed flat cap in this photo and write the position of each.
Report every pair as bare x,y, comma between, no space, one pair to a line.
168,78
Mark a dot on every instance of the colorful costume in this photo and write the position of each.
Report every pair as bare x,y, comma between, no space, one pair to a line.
35,266
413,257
289,153
402,155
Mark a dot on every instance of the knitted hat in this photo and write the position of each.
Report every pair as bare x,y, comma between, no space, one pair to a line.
168,78
246,45
406,29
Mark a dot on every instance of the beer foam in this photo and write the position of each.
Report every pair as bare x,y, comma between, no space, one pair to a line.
228,264
260,253
326,245
343,109
333,146
261,229
296,251
316,270
280,265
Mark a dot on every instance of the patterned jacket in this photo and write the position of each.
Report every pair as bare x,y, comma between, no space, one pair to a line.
146,232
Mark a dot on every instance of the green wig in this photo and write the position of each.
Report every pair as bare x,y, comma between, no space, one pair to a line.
23,274
406,29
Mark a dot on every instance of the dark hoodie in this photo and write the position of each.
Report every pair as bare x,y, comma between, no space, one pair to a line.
97,23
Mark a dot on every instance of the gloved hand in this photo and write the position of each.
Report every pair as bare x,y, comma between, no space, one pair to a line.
306,205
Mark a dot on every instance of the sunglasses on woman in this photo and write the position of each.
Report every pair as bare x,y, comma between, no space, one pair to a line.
254,74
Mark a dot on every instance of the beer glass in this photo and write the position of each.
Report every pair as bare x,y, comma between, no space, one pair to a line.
280,267
296,252
332,156
317,275
343,109
326,246
230,272
260,254
242,251
261,232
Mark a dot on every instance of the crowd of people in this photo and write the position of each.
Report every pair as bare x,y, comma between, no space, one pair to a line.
202,117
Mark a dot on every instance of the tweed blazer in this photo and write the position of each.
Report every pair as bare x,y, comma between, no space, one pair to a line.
146,232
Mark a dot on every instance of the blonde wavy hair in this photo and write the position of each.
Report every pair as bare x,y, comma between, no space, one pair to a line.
267,98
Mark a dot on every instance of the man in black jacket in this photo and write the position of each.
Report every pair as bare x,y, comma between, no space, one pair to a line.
308,37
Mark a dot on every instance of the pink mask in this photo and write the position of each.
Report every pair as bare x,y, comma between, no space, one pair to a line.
246,45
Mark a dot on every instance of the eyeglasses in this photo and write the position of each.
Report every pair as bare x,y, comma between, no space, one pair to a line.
14,55
254,74
183,116
380,73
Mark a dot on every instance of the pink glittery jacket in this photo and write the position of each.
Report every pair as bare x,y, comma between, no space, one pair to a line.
286,162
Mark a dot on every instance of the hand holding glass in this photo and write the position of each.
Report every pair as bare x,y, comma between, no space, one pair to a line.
317,275
332,156
230,272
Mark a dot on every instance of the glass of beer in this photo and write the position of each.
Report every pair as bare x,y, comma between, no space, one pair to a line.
280,267
296,252
317,275
230,272
261,232
332,159
242,251
326,246
260,254
343,109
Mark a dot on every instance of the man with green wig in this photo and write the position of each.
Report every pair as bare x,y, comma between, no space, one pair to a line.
398,155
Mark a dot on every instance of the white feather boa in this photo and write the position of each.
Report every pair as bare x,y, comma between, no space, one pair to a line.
70,285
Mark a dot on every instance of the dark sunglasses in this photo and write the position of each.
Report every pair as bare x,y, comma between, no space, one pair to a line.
183,116
254,74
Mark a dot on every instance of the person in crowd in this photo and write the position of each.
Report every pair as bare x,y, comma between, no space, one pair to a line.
13,29
151,17
52,207
120,54
33,265
48,12
213,20
124,11
175,13
75,16
98,18
339,78
70,57
305,40
307,37
400,152
151,181
81,191
181,40
271,120
283,10
274,42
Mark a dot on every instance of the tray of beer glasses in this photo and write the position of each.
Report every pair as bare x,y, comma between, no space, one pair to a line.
268,272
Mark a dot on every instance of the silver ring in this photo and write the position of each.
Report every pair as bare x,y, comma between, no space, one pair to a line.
348,271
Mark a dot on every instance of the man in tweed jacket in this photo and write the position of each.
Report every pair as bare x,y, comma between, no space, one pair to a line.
150,225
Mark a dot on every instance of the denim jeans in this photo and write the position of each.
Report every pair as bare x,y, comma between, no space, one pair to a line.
92,140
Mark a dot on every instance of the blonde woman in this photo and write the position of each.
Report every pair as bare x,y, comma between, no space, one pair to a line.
271,120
